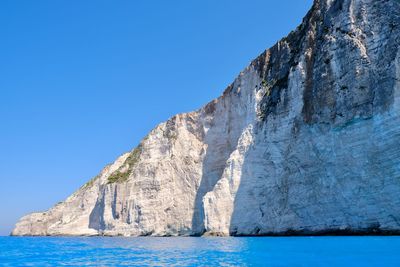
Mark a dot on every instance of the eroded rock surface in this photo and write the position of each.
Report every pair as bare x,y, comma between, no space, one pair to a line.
306,140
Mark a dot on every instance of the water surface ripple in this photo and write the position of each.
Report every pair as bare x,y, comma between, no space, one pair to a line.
195,251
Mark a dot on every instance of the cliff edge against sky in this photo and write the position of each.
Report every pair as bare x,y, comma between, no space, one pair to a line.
304,141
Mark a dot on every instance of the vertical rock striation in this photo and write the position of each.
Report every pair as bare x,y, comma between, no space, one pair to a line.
306,140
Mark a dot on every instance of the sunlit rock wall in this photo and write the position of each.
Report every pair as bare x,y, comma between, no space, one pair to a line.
306,140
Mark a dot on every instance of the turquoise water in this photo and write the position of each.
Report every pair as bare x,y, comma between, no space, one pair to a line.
188,251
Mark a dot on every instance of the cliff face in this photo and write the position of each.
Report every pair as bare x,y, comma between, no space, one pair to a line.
306,140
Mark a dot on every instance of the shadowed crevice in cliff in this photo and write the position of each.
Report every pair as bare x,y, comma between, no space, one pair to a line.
96,217
216,155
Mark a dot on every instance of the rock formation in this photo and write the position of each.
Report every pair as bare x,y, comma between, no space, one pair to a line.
306,140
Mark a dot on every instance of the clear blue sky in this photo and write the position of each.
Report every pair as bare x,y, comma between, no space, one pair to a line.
83,81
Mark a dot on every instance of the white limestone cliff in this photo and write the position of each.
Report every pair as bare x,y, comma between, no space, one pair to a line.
306,140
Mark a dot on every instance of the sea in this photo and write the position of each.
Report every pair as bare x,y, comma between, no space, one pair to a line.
200,251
